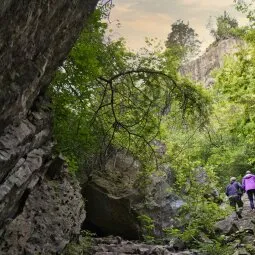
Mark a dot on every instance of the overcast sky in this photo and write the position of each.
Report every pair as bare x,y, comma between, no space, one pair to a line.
153,18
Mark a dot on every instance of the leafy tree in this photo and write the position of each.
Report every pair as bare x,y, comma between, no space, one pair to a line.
247,7
236,82
183,40
225,27
106,96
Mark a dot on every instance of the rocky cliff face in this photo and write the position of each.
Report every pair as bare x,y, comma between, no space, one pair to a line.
201,68
35,37
37,197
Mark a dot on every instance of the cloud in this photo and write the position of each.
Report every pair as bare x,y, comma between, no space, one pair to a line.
207,3
136,25
171,6
151,18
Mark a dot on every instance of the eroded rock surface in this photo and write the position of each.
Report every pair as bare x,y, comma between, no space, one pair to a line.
52,214
41,208
25,149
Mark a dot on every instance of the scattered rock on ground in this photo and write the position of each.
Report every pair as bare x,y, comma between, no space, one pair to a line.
114,245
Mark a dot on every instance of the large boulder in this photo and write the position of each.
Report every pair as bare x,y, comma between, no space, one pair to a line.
117,195
227,226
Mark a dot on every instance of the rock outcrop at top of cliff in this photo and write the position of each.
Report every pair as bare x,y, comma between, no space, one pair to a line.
200,69
40,205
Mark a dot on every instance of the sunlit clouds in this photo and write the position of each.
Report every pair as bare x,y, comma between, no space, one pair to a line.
150,18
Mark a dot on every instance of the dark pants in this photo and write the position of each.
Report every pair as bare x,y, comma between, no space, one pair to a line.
234,201
251,194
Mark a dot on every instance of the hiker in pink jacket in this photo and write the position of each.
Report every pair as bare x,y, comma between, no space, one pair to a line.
248,184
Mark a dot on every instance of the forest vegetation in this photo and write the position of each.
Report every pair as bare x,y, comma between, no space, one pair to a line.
107,96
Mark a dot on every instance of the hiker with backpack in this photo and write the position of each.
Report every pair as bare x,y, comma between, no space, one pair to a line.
234,192
248,184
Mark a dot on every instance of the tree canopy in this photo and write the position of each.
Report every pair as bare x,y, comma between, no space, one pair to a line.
105,95
183,40
224,28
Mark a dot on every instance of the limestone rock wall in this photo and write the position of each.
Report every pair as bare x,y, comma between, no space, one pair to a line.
200,69
39,203
25,149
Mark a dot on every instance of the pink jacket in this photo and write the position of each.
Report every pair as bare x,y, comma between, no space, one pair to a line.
248,182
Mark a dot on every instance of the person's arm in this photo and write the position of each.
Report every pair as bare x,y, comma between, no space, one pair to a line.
240,186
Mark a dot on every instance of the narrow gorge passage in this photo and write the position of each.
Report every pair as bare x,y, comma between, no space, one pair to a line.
133,138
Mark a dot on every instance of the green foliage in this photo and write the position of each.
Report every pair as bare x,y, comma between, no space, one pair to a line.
236,83
247,7
74,131
83,246
148,227
225,27
250,248
201,210
105,95
221,148
183,41
215,248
